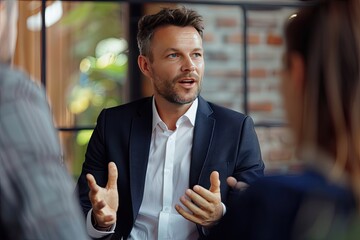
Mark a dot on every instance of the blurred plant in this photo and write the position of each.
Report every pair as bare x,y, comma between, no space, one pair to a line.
103,63
100,81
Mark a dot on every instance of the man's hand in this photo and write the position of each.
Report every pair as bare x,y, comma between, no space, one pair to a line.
234,184
204,205
104,201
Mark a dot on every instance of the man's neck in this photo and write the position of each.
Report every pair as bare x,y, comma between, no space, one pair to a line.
170,112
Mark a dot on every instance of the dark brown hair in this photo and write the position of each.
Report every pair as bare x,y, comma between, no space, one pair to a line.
181,17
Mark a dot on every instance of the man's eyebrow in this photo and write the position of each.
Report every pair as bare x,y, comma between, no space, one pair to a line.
197,49
171,50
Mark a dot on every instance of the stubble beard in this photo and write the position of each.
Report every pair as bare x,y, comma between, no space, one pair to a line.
168,91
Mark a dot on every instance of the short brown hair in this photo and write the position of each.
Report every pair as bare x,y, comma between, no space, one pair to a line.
181,17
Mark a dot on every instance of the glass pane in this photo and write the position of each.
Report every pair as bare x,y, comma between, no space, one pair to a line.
86,69
86,59
86,63
74,144
277,149
223,54
266,45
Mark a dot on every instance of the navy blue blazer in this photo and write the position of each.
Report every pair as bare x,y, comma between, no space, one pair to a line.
224,140
287,207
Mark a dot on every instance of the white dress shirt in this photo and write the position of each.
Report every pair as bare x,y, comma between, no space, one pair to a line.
167,178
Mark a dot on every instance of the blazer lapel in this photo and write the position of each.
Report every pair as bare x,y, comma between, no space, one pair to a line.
140,139
203,132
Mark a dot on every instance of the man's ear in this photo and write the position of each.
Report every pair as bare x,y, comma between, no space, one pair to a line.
144,63
297,70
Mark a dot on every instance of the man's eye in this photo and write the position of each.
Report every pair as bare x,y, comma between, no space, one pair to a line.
197,55
173,55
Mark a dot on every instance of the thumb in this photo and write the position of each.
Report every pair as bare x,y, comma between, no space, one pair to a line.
113,175
214,182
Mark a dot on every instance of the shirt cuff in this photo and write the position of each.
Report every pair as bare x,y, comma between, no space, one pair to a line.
224,208
94,233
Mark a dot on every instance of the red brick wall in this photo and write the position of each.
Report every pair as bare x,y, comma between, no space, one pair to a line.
223,81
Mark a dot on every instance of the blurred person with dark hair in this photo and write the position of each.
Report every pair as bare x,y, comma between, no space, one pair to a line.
36,191
321,91
153,167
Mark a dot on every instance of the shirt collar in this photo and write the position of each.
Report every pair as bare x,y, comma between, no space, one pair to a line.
190,113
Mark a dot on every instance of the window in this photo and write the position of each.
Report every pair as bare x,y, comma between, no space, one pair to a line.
86,64
86,58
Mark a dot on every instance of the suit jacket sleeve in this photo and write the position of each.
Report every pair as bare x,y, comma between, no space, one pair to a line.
95,163
249,165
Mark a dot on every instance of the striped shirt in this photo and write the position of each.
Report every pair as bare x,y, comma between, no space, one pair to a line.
36,192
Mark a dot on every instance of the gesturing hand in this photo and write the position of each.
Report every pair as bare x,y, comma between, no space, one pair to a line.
104,201
234,184
204,205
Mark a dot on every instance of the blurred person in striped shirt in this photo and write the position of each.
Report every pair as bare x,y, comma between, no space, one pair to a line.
36,191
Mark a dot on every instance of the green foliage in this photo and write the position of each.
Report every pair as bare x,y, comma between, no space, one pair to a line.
99,83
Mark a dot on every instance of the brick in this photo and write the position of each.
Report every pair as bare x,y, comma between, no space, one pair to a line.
216,56
258,73
254,88
254,39
209,38
216,73
234,74
227,77
260,106
274,39
234,38
283,135
280,154
261,23
226,22
262,56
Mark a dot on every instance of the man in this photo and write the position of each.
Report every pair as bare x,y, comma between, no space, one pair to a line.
36,192
153,167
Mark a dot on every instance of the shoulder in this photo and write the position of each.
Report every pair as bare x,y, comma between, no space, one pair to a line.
134,107
299,185
15,85
125,113
300,181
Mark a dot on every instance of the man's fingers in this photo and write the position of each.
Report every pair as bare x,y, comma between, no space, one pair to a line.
113,175
233,183
241,186
190,206
200,196
214,182
187,215
92,183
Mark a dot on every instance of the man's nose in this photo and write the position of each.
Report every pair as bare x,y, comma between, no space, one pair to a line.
188,65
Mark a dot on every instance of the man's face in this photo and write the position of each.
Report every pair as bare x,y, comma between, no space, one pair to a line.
177,64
